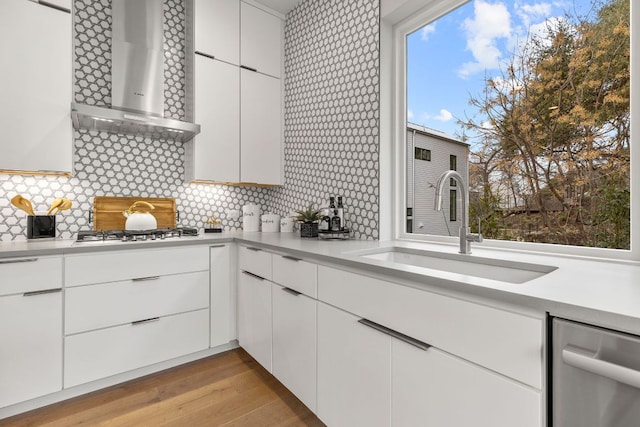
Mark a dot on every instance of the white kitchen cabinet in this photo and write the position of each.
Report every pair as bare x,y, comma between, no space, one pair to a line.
35,89
501,340
256,261
296,274
217,29
105,352
214,154
260,40
260,128
103,305
30,328
129,309
222,303
433,388
294,343
354,364
254,317
239,109
131,264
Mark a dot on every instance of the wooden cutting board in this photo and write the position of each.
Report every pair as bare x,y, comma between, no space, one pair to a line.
107,211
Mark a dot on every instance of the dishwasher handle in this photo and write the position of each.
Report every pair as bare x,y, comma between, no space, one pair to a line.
586,360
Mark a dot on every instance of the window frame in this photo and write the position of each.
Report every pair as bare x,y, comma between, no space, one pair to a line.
398,184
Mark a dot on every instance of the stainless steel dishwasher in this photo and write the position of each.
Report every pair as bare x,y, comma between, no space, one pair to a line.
595,376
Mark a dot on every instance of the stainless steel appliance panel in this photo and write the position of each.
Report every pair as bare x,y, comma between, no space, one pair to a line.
596,377
137,65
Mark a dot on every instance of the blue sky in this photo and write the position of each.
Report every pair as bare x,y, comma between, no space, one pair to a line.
449,59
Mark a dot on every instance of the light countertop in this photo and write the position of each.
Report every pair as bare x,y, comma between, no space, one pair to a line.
600,292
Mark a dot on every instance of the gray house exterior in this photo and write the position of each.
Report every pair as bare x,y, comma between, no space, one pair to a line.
429,154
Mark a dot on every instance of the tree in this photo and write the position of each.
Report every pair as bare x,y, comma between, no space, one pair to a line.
554,125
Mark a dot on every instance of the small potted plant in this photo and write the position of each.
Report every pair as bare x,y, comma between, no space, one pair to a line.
308,219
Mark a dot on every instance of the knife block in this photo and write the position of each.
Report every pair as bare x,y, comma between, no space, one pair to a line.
41,226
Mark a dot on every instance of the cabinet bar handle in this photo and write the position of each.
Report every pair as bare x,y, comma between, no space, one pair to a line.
216,246
151,319
291,258
53,6
292,292
249,68
395,334
587,361
15,261
206,55
253,249
253,275
144,279
42,292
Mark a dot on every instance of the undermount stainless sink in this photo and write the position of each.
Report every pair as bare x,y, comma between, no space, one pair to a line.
467,265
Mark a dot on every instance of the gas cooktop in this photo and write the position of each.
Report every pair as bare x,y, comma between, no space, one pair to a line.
134,236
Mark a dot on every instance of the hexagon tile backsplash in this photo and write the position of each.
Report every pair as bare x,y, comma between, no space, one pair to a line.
331,126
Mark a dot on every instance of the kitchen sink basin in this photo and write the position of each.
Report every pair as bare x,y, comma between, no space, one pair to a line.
467,265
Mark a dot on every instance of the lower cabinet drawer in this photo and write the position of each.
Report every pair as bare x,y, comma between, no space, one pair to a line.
503,341
116,266
21,275
255,261
94,355
110,304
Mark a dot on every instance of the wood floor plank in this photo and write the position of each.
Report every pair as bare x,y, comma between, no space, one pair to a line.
230,389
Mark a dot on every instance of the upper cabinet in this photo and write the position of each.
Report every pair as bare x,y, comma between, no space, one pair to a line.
260,41
237,95
216,31
35,89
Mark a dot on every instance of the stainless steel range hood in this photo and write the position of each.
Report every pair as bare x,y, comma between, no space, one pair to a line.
137,74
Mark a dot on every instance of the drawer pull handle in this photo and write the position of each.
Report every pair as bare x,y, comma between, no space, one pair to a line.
206,55
254,249
395,334
216,246
249,68
15,261
145,279
253,275
151,319
53,6
291,258
292,292
42,292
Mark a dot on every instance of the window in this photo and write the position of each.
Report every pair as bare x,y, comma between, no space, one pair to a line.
547,130
453,165
453,205
422,154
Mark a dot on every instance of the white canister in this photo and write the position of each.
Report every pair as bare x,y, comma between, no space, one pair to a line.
270,223
287,224
251,217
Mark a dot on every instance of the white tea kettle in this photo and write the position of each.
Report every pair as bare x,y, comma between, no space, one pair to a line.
139,218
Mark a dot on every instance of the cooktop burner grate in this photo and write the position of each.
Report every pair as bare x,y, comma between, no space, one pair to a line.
135,235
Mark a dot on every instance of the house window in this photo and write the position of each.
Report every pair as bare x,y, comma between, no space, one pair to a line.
422,154
453,205
542,97
453,165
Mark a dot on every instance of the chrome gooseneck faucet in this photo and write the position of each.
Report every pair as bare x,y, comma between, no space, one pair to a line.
466,237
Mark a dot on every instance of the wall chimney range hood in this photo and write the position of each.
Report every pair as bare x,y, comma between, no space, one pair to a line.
137,75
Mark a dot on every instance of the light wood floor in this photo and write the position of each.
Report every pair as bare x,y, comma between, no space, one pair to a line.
229,389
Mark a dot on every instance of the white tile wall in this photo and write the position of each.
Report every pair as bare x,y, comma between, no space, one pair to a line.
331,126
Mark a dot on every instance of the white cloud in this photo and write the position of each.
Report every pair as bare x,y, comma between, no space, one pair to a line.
427,30
529,13
443,116
490,22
